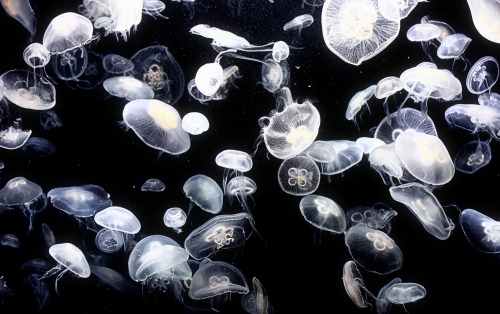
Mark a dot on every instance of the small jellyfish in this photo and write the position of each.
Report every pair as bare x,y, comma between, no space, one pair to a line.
153,8
281,51
297,24
21,11
445,28
256,301
80,201
387,87
153,185
242,188
234,162
358,102
48,235
36,265
368,144
405,292
386,162
119,226
49,120
275,74
66,32
69,65
113,279
396,10
38,147
472,156
323,213
204,192
28,90
14,137
157,124
371,217
93,74
36,55
485,18
116,64
10,240
453,47
354,284
349,154
298,176
383,305
374,250
320,152
175,218
406,119
483,75
209,78
482,232
424,33
128,87
195,123
230,74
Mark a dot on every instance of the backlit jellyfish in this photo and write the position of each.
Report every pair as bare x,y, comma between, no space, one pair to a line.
156,67
14,137
195,123
38,147
291,131
94,72
425,206
358,102
49,120
374,250
69,65
157,124
256,301
482,75
175,218
482,232
66,32
387,87
377,217
10,240
241,188
387,163
297,24
323,213
36,55
37,291
405,292
424,33
383,305
320,152
472,156
281,51
453,47
354,284
485,18
116,64
36,265
349,154
355,30
48,235
28,90
445,28
80,201
204,192
209,78
21,11
234,162
119,226
113,279
425,157
222,232
275,74
396,10
368,144
128,87
298,176
406,119
68,257
230,74
153,8
153,185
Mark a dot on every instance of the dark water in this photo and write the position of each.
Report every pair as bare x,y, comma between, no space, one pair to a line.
299,266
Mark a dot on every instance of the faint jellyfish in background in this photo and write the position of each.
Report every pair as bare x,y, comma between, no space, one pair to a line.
374,250
128,87
386,162
38,147
48,235
37,292
23,13
111,278
153,8
482,232
349,154
473,156
93,74
68,257
425,206
66,32
195,123
386,87
222,232
5,290
256,301
298,176
119,227
482,75
157,124
485,18
281,51
382,304
275,74
359,101
296,25
354,284
204,192
453,47
396,10
116,64
378,217
242,188
405,292
36,265
14,136
424,33
28,90
175,218
153,185
323,213
355,30
69,65
49,120
10,240
156,67
320,152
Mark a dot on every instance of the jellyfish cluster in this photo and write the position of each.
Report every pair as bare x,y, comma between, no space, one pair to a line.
248,157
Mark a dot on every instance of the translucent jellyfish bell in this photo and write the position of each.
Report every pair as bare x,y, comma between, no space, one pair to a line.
195,123
387,87
38,147
281,51
256,301
396,10
119,225
357,102
116,64
472,156
297,24
28,90
482,232
175,218
485,18
374,250
234,159
356,30
406,119
368,144
323,213
383,304
66,32
405,292
349,154
36,55
298,176
453,46
425,206
320,152
483,75
23,13
153,185
70,64
474,118
387,163
275,74
14,137
128,87
157,124
423,32
80,201
209,78
354,284
19,190
376,217
204,192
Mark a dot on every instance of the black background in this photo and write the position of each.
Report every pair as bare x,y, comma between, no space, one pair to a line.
299,266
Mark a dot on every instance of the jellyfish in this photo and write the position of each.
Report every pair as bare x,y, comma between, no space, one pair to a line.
195,123
157,124
354,284
291,131
242,188
372,217
483,75
485,18
425,206
128,87
10,240
222,232
234,162
387,87
36,265
281,51
21,11
153,8
48,235
175,218
383,304
116,64
481,231
36,55
453,47
298,176
405,292
113,279
66,32
229,75
275,74
424,33
356,31
210,76
320,152
153,185
204,192
396,10
119,226
374,250
14,136
472,156
38,147
69,65
297,24
368,144
358,101
28,90
323,213
387,163
256,301
38,291
94,72
349,154
445,28
49,120
68,257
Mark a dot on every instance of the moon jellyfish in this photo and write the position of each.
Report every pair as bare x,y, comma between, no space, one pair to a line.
36,55
204,192
49,120
482,232
387,163
482,75
355,30
298,176
371,217
425,206
349,154
157,124
256,301
116,64
28,90
396,10
21,11
406,119
118,223
320,152
233,160
156,67
14,137
374,250
275,74
113,279
230,74
291,131
281,51
357,102
209,78
80,201
425,157
175,218
222,232
297,24
323,213
128,87
445,28
387,87
423,32
38,293
195,123
48,235
472,156
66,32
153,8
153,185
68,257
354,284
405,292
10,240
94,72
485,18
36,265
383,304
38,147
69,65
453,46
368,144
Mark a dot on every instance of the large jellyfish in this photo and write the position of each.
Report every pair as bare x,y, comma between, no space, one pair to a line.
483,75
66,32
355,30
28,90
482,232
298,176
204,192
323,213
485,15
119,226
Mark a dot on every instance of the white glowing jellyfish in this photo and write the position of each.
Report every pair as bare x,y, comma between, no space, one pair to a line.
485,15
66,32
128,87
195,123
